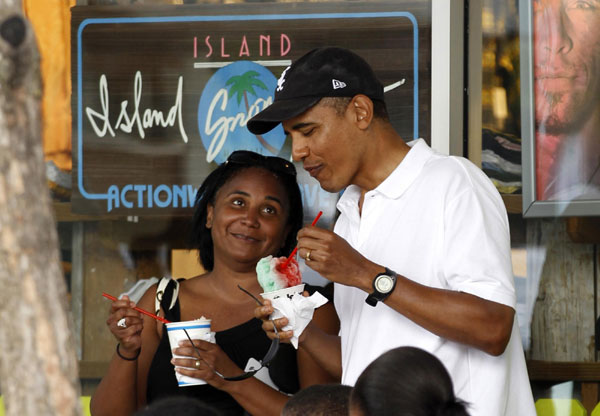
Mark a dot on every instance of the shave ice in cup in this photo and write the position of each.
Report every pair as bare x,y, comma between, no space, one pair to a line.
281,281
278,278
277,281
197,329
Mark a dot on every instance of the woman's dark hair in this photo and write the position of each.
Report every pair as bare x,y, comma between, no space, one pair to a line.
406,381
238,161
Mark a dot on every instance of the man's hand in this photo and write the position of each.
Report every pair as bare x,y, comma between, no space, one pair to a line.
333,258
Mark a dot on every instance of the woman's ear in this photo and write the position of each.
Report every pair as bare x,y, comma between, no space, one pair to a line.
209,216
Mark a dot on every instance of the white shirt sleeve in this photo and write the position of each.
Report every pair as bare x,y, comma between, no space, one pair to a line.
477,242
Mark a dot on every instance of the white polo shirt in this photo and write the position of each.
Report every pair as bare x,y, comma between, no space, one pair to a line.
439,221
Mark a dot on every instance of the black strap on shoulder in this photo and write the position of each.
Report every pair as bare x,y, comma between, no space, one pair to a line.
173,314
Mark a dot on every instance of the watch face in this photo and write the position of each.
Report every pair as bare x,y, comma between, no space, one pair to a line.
384,283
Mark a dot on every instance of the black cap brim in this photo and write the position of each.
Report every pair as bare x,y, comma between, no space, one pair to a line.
279,111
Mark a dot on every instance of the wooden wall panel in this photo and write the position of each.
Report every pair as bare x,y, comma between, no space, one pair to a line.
563,320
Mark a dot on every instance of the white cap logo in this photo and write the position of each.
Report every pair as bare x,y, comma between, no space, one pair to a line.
338,84
281,80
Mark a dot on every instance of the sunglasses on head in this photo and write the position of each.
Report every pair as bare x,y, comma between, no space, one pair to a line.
274,163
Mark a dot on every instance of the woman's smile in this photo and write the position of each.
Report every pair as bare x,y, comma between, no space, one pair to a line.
245,237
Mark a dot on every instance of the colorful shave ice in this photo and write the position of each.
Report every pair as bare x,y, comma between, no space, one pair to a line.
271,276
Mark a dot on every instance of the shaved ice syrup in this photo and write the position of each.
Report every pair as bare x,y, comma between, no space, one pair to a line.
276,273
291,256
291,271
271,277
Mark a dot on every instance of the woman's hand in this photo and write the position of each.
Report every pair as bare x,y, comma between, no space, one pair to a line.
212,360
129,332
263,313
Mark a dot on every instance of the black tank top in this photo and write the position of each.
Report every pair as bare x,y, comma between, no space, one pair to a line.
240,343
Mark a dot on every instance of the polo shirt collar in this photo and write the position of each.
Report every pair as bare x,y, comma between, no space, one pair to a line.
398,181
407,171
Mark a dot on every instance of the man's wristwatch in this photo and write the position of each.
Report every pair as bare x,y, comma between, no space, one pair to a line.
383,286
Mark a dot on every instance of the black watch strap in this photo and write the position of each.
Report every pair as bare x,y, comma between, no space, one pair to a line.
378,295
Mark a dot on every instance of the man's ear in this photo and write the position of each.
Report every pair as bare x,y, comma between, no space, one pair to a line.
361,108
209,216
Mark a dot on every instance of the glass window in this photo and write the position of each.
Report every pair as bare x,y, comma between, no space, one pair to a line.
555,262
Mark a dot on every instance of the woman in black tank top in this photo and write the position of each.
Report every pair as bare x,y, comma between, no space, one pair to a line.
246,209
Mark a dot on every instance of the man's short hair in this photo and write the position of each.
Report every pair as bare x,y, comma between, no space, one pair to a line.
341,103
319,400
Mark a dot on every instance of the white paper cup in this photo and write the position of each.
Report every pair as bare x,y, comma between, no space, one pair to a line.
288,292
197,329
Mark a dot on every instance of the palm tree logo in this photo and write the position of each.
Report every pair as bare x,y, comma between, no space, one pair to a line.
241,85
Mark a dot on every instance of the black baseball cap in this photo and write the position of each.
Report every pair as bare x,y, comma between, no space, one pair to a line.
322,72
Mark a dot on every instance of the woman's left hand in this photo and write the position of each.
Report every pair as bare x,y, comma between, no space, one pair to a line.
212,359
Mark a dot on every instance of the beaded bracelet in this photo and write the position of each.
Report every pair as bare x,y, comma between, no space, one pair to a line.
128,359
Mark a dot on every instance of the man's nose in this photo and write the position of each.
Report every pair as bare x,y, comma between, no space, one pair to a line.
553,27
300,149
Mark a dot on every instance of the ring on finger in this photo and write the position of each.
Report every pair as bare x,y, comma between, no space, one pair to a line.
197,364
307,257
122,323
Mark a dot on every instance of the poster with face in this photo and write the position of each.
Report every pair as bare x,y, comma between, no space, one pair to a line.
560,107
566,72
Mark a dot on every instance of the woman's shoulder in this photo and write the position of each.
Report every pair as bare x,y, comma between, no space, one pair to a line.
197,283
196,288
147,300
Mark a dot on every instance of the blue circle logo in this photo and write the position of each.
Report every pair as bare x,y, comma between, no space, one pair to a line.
233,95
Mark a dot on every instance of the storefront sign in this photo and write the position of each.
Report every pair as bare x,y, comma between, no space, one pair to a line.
162,94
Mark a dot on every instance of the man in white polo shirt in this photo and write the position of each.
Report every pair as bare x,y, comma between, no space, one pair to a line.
420,254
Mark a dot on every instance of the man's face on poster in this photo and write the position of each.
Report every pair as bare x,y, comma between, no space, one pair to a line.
567,63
